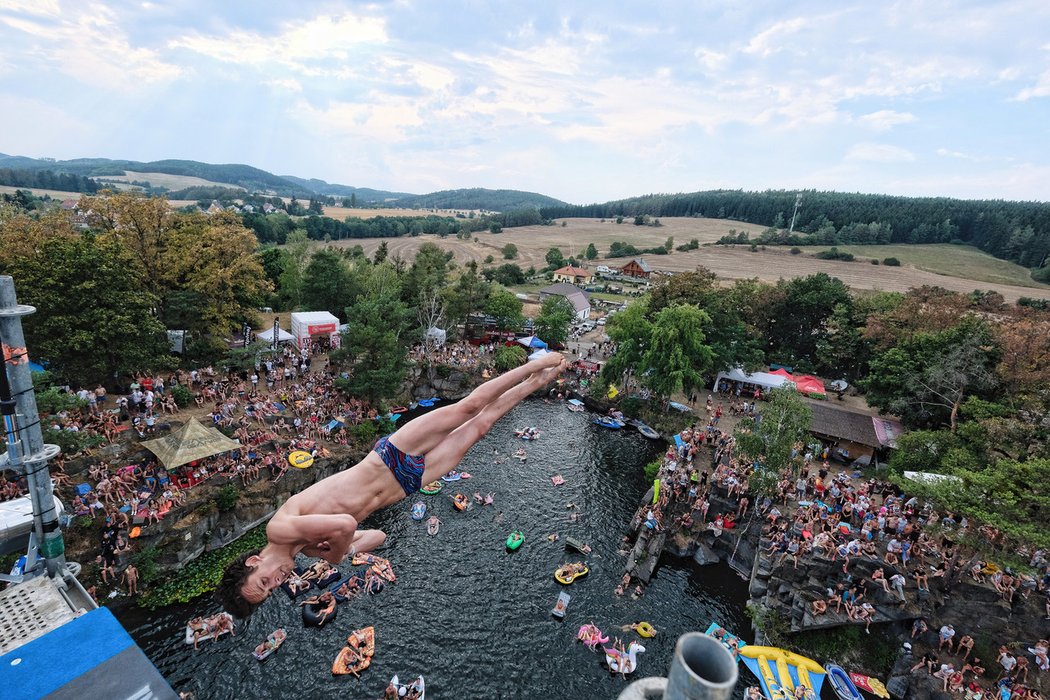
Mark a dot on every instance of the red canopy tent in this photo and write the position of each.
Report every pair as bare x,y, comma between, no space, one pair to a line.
804,383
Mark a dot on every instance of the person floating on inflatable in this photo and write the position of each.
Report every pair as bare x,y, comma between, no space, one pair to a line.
322,520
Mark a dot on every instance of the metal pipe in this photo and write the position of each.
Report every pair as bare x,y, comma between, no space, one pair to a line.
701,669
28,451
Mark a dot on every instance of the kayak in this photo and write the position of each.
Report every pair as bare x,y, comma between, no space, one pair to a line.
648,432
607,422
419,510
564,575
432,488
841,683
272,644
403,690
460,501
515,539
561,605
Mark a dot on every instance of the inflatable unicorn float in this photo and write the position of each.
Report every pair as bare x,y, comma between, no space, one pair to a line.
623,663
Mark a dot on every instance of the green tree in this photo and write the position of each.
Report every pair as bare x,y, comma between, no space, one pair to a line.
94,320
505,308
926,378
768,443
676,357
510,251
554,259
798,316
381,252
591,253
374,348
427,275
467,295
328,284
630,331
507,274
556,315
292,277
509,356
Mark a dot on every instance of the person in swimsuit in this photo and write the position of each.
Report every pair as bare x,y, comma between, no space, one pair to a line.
322,520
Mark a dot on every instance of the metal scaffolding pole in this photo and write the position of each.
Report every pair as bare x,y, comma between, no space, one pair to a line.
26,451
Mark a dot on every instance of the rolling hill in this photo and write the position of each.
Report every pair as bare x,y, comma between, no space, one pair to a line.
479,198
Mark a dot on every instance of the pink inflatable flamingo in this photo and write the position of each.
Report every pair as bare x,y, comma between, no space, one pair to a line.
591,636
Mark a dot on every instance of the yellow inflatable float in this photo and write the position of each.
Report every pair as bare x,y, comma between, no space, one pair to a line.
781,671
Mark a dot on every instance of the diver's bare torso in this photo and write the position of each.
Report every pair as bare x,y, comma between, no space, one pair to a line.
359,491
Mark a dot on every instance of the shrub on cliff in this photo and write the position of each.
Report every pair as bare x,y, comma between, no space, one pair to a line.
226,497
182,395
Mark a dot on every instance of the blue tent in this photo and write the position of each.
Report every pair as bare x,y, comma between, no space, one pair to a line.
532,342
34,367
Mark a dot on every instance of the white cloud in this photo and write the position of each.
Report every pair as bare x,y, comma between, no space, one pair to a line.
879,153
299,43
1040,89
87,43
769,41
886,119
289,84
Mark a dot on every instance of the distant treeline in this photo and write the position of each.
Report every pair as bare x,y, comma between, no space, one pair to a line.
1015,231
274,228
478,198
48,180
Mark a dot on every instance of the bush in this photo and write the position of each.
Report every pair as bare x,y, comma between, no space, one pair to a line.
72,442
874,261
1042,274
53,400
892,262
226,498
146,563
84,522
651,470
510,356
202,574
182,395
796,251
834,254
364,432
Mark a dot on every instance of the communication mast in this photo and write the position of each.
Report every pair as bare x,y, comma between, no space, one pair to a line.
798,201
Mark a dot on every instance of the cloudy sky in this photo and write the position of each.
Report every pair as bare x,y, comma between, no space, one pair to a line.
584,101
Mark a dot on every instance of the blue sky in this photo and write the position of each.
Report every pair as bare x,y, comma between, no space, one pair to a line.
584,101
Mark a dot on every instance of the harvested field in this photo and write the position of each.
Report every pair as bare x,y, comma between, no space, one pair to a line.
728,262
54,194
962,261
172,182
341,213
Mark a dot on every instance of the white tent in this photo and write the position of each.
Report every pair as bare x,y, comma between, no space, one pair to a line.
762,379
283,336
436,336
311,324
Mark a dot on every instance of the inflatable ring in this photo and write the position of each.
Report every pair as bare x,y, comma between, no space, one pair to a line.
644,629
312,614
300,459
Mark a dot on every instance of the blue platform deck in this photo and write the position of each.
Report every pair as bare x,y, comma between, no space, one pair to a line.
89,657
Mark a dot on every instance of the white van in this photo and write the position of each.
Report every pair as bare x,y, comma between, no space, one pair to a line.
603,269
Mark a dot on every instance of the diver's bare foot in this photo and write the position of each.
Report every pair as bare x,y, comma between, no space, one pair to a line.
551,359
548,375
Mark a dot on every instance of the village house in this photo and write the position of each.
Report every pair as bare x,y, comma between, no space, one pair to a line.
637,268
576,296
572,275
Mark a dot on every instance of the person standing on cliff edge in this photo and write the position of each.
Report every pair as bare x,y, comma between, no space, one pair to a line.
322,520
